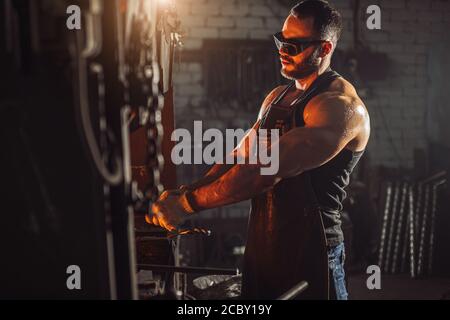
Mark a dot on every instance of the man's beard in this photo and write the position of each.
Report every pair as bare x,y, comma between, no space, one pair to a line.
308,67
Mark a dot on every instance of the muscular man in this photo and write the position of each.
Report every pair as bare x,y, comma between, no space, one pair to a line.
294,231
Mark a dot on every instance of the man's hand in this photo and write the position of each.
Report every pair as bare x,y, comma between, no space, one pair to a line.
170,211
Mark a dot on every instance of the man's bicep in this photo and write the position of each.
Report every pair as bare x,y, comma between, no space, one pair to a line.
335,115
327,132
305,148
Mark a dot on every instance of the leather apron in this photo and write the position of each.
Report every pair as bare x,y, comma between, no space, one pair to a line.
286,241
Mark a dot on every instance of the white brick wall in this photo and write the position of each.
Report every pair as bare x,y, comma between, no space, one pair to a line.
408,27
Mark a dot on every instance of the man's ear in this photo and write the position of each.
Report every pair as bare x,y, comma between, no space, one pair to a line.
326,48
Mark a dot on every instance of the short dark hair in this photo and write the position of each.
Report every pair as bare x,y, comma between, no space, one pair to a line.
327,20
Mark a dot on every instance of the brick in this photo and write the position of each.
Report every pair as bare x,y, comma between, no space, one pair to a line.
392,4
396,37
431,16
197,77
180,101
418,4
341,4
235,33
390,47
183,9
393,26
378,36
440,5
400,14
439,27
193,21
346,13
420,59
235,11
204,33
250,23
192,44
415,26
223,22
260,11
181,67
416,48
446,18
260,34
196,101
194,67
409,70
421,71
404,59
253,2
414,94
423,38
205,9
273,24
182,78
191,90
185,2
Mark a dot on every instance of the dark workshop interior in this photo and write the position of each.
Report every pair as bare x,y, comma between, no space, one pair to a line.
91,92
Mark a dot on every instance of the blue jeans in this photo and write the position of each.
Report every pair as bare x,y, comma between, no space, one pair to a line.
336,259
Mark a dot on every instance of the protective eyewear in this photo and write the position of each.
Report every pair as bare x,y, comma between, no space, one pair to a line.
293,47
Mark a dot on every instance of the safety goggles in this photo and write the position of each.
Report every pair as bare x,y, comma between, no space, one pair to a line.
293,47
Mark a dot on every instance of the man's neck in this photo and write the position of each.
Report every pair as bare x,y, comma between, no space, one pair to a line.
304,83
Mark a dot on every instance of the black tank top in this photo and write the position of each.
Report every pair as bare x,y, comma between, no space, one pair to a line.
330,180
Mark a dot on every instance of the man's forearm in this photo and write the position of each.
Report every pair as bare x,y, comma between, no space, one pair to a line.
213,174
241,182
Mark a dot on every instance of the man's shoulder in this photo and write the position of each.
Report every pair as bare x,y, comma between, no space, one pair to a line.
340,96
342,90
340,103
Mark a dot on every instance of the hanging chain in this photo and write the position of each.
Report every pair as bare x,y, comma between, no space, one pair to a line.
155,135
144,88
155,104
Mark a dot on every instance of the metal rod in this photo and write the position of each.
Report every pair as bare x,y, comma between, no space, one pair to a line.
412,234
295,291
399,227
417,223
405,245
439,175
384,226
423,230
194,270
433,223
172,235
391,227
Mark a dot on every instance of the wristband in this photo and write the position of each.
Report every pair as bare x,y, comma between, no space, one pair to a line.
189,202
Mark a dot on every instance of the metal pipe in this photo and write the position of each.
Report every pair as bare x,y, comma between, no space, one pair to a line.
295,291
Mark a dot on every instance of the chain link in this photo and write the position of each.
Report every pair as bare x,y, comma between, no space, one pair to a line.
144,90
